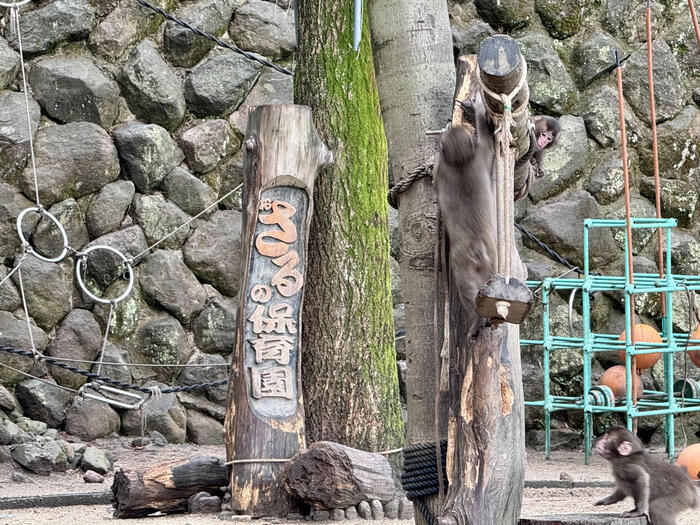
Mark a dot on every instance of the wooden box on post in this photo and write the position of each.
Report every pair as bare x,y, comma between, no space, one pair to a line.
265,418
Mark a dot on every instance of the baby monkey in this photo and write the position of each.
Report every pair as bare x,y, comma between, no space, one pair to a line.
660,490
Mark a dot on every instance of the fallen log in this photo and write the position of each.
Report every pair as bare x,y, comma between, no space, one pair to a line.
332,476
165,487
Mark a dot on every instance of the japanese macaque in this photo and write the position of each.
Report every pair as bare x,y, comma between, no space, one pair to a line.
466,195
546,130
660,490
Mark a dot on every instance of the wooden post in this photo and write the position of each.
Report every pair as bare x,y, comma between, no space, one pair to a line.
414,63
265,416
486,442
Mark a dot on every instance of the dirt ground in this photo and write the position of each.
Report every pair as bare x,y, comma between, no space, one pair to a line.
536,502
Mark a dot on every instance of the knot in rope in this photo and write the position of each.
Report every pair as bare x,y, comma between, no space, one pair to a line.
156,392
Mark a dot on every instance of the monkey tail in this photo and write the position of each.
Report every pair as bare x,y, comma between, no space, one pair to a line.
457,146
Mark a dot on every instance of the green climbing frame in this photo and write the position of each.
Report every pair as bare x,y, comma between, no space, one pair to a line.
669,402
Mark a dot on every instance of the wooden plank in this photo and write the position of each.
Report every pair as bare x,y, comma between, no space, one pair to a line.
265,416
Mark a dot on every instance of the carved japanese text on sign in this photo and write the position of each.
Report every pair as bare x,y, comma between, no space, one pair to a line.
273,301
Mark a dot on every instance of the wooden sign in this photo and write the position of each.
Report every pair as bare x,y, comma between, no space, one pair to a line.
265,417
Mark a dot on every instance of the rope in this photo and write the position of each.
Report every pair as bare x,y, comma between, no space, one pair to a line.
35,353
213,38
420,476
14,23
55,385
154,365
282,460
424,170
559,258
188,221
504,163
112,303
436,358
109,380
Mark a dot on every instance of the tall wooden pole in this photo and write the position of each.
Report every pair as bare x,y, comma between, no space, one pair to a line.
265,416
414,63
486,441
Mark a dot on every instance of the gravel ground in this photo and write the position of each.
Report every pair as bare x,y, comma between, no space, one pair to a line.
536,502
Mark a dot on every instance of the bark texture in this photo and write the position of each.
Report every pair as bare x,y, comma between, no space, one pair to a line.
265,416
165,487
486,445
331,476
412,43
350,379
416,76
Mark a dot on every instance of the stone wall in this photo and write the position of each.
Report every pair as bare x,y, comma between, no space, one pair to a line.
137,126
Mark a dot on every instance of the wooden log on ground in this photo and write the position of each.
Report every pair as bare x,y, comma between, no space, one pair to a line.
583,519
485,454
265,417
165,487
328,475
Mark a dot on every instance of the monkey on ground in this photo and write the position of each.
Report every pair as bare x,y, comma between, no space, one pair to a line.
660,490
466,194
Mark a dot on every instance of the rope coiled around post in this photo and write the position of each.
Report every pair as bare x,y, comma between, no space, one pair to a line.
420,478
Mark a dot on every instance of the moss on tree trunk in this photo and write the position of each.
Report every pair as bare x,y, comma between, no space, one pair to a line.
349,362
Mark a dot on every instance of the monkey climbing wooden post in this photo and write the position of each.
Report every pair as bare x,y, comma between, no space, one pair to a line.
485,454
265,416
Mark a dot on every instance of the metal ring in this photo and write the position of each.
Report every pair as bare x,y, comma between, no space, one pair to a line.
79,265
14,4
30,249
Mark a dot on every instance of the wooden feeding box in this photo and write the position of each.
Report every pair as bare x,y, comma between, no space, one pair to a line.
504,302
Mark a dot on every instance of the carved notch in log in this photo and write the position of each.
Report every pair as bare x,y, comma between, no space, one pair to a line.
165,487
265,416
485,454
332,476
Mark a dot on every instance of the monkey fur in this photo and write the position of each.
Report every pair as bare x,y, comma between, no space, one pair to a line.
660,490
466,195
547,130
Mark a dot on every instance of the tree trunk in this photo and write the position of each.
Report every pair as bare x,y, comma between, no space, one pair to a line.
265,416
350,378
332,476
486,443
412,41
165,487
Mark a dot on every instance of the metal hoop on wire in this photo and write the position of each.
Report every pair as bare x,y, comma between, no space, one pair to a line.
14,4
30,249
78,271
